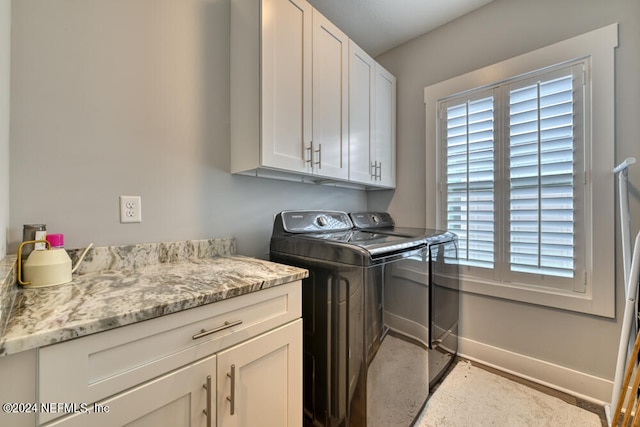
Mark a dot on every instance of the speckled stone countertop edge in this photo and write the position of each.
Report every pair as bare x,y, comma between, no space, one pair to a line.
7,289
103,300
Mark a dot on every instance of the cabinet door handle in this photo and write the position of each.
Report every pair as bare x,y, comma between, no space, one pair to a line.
227,325
207,411
379,174
310,156
232,397
319,151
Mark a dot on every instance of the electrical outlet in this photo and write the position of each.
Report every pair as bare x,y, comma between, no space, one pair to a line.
130,209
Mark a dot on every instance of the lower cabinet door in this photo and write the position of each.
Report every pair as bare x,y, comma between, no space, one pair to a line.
176,399
260,380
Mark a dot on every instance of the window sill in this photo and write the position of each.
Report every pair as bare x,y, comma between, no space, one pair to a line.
598,302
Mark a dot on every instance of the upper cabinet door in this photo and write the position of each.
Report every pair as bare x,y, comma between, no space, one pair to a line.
330,99
385,127
361,111
286,84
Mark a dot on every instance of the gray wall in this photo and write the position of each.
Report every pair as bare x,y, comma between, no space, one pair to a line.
500,30
131,97
5,52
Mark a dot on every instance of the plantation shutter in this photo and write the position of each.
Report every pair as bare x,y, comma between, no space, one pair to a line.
541,177
470,179
514,182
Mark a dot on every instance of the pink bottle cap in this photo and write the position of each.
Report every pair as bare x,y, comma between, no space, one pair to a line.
56,240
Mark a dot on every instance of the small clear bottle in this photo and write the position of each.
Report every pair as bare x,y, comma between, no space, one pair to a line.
33,232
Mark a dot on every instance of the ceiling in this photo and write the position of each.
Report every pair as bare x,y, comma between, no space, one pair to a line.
379,25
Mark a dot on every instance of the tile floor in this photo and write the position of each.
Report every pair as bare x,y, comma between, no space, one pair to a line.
584,404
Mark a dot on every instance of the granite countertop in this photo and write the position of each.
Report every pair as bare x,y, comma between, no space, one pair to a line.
117,286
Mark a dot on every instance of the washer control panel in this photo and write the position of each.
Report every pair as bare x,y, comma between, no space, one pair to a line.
371,219
315,221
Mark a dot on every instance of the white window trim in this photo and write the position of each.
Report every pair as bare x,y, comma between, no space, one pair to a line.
598,46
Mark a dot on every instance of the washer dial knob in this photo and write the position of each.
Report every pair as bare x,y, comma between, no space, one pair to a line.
322,221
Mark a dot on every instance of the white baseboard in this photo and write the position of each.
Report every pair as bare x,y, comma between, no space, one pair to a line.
576,383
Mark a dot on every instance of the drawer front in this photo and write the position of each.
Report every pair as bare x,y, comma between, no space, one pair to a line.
94,367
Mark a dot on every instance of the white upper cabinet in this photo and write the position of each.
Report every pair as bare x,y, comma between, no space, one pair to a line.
271,85
290,99
372,121
286,84
384,135
361,81
330,99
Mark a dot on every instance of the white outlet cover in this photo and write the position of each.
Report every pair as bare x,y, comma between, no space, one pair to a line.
130,209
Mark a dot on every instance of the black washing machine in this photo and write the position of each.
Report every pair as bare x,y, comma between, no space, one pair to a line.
366,319
444,301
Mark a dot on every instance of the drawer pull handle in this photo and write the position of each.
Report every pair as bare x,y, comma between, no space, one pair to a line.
227,325
207,411
232,398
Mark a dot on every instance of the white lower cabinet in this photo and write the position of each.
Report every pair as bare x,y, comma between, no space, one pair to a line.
18,385
174,400
156,372
256,383
260,381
